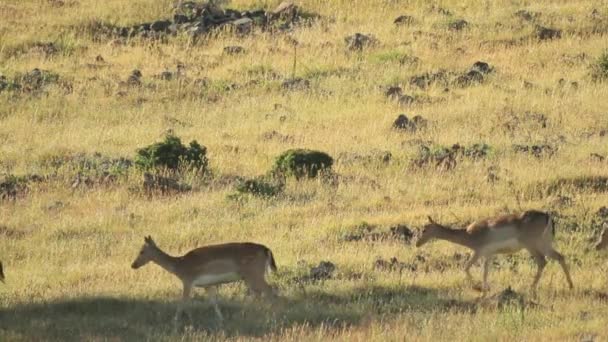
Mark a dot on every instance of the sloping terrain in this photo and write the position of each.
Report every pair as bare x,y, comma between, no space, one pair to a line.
455,109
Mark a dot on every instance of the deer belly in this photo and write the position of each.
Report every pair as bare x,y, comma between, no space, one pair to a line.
214,279
505,246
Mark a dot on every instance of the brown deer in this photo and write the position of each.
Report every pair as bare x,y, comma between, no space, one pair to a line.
213,265
531,230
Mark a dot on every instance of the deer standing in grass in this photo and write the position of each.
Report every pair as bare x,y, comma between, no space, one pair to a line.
531,230
213,265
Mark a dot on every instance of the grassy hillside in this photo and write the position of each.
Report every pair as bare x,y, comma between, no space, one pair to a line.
533,134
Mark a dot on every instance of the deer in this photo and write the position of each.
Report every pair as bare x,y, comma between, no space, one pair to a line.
603,241
531,230
213,265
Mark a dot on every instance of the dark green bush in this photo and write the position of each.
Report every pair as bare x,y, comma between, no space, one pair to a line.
171,154
599,70
302,163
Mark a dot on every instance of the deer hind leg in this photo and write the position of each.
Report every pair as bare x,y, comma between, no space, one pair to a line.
213,298
257,283
486,269
553,254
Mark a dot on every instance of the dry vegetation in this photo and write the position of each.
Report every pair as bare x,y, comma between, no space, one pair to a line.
531,133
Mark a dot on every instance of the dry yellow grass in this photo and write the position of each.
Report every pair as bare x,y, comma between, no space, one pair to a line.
66,253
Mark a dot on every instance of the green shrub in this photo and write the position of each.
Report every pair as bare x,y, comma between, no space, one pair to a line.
302,163
171,154
599,70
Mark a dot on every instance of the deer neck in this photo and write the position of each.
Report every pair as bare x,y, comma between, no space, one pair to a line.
457,236
166,261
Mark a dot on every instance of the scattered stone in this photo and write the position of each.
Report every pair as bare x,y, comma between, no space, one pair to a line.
350,158
597,157
537,151
135,78
234,50
402,232
160,26
359,41
403,123
527,15
544,33
243,26
324,271
404,20
297,83
458,25
470,78
45,49
393,93
425,80
393,265
405,100
482,67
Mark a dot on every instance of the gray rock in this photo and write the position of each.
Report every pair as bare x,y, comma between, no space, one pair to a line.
359,41
160,25
243,25
234,50
545,33
458,25
404,20
482,67
295,84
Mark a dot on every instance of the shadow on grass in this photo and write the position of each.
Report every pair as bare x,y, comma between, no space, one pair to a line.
139,319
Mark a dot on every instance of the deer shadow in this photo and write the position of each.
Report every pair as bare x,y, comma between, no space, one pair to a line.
140,319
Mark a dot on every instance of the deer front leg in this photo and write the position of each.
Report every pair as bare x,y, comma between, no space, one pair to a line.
468,265
184,301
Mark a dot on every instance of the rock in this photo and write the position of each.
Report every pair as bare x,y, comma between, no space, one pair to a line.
180,19
482,67
393,265
527,15
597,157
393,92
405,100
419,121
403,123
46,49
160,26
471,77
602,212
359,41
544,33
285,9
135,78
295,84
234,50
302,163
537,151
404,20
402,232
243,25
458,25
325,270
